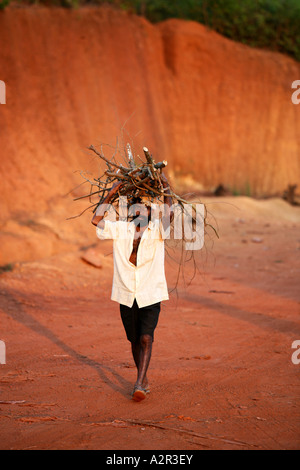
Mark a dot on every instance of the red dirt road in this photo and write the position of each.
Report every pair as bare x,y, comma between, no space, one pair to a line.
221,373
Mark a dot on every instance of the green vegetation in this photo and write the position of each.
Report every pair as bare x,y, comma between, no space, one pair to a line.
3,4
6,268
269,24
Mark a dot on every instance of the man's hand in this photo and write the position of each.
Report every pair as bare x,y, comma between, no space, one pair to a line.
115,188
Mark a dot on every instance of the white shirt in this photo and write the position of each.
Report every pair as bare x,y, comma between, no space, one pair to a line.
145,282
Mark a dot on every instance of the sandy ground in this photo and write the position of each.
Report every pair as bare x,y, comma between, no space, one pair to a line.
221,373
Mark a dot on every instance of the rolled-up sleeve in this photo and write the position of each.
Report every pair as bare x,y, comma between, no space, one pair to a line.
109,232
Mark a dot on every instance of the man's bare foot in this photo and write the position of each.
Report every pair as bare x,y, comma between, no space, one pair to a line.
146,386
138,393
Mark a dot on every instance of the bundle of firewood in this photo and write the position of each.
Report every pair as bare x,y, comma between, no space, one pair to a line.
142,180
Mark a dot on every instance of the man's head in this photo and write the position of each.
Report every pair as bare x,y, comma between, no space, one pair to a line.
140,210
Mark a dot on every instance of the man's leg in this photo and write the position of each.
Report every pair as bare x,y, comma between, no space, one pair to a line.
142,354
140,324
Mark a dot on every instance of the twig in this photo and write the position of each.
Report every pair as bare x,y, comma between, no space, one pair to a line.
91,194
120,167
75,216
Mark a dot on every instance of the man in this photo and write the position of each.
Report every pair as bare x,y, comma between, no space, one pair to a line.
139,283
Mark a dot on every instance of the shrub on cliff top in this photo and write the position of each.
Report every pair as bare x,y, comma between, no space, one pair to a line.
270,24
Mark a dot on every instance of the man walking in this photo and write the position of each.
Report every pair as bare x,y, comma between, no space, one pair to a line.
139,283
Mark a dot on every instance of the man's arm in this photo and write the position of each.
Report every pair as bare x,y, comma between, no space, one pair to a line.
98,219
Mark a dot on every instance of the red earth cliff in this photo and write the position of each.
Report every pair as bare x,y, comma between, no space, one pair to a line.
218,111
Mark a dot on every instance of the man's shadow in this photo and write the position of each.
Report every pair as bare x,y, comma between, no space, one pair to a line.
10,304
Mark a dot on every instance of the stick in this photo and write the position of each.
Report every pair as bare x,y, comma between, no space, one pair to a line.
161,165
130,157
120,167
115,175
150,161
